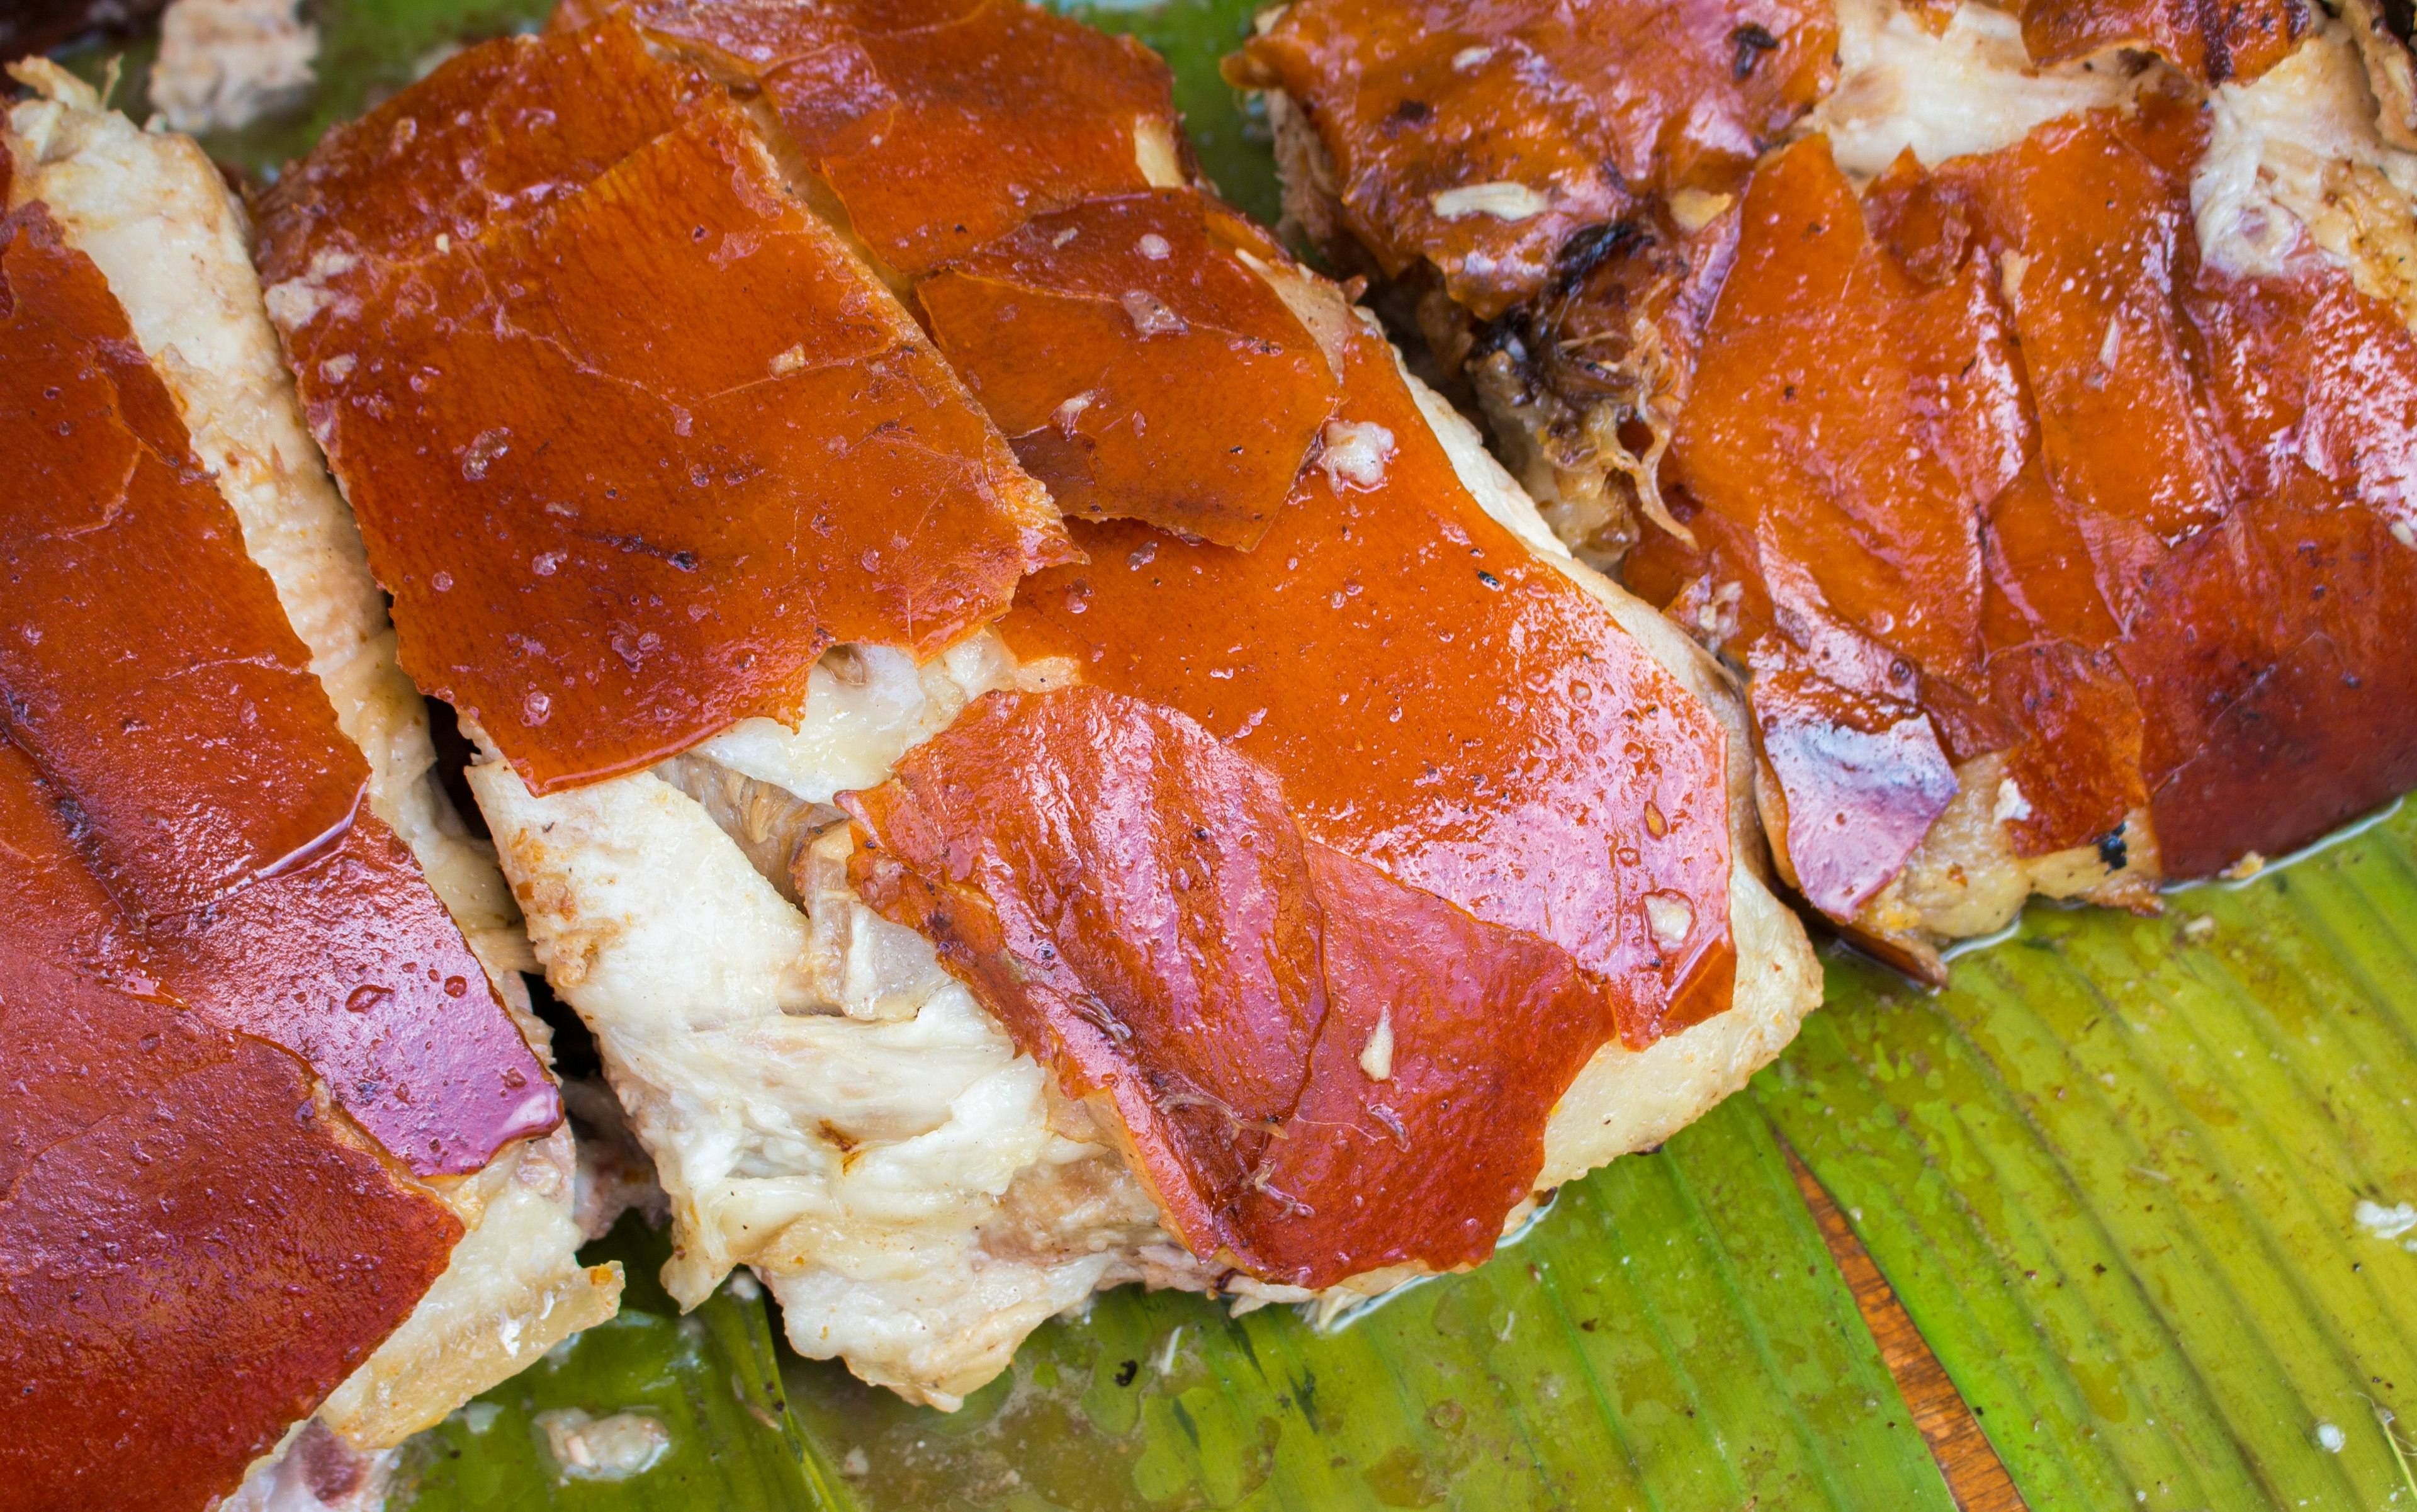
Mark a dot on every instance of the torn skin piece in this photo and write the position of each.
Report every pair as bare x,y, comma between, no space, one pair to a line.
194,1250
607,537
1860,778
352,963
1479,139
134,612
994,110
1546,776
1868,555
1132,899
1138,365
2252,603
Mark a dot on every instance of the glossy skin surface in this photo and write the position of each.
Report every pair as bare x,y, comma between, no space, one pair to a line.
943,125
1601,108
110,509
1979,461
1139,367
1435,98
192,1253
1389,706
1133,898
1023,175
630,460
1413,730
353,964
152,679
2159,566
1435,701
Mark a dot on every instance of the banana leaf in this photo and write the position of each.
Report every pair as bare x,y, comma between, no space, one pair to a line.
709,1379
1228,133
2144,1184
1672,1335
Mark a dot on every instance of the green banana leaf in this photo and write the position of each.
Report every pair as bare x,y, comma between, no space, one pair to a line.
710,1379
2140,1184
1228,133
2143,1183
1672,1335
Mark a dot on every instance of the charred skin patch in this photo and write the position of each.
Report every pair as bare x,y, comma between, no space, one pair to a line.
2214,44
1550,102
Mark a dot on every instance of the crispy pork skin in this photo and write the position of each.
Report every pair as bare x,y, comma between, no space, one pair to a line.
1326,699
285,925
997,111
309,899
1206,395
1071,237
501,348
2215,45
1477,140
251,1189
2076,576
197,1246
1557,783
1284,1034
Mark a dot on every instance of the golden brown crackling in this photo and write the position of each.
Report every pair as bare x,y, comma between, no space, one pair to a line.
1415,805
1023,175
2212,43
499,132
2108,558
151,676
1320,1071
1422,805
101,665
1139,366
173,1196
1437,700
610,535
943,125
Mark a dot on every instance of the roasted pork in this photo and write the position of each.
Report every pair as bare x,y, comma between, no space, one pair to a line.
1161,925
2021,402
262,980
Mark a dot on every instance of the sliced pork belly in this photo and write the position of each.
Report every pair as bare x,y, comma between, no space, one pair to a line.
234,868
1145,931
2028,421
